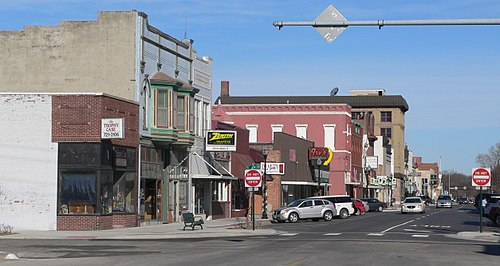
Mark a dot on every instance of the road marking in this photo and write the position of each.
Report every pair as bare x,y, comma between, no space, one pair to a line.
421,236
389,229
332,234
289,234
375,234
414,225
417,231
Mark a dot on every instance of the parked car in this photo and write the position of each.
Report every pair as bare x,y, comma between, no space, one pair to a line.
314,209
495,215
375,204
444,201
493,201
427,200
413,204
477,201
343,204
360,207
365,203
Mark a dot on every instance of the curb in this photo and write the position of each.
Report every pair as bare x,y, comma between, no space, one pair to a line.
491,237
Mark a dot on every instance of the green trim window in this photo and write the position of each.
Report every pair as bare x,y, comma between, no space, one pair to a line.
161,108
181,112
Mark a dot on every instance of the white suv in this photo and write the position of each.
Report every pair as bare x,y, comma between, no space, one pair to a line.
343,204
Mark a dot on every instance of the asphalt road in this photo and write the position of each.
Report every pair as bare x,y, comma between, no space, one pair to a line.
387,238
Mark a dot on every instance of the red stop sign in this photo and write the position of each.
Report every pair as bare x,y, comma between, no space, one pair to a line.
253,178
481,177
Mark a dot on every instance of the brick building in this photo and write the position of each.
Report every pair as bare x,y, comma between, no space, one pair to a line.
61,169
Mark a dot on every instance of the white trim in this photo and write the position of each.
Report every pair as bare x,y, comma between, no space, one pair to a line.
291,113
250,127
303,183
297,126
327,140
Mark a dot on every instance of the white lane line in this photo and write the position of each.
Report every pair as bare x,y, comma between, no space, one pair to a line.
332,234
421,236
417,231
396,226
375,234
289,234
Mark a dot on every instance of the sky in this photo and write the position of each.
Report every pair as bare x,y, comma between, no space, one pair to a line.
449,75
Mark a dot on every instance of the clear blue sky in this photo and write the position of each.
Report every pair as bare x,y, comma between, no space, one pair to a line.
450,75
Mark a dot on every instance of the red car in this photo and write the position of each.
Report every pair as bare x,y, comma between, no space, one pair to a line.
359,207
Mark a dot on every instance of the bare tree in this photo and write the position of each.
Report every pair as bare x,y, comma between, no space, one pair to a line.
491,159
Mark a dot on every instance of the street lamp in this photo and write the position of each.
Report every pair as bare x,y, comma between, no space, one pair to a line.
265,152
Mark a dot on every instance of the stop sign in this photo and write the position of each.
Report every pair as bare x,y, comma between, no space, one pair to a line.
481,177
253,178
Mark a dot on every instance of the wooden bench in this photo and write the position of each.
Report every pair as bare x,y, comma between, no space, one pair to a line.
191,221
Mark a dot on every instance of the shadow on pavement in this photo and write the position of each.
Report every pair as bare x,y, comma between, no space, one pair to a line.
493,250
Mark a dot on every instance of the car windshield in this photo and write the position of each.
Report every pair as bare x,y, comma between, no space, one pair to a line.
295,203
412,200
444,198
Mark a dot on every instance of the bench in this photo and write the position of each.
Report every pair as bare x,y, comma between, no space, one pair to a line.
191,221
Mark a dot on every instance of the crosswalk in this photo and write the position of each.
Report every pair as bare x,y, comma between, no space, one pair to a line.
368,234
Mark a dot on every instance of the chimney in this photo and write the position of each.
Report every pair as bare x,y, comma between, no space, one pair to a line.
224,88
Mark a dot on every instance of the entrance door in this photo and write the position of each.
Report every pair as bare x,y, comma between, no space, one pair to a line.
150,200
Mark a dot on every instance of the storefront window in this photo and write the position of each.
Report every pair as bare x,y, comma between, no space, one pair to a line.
78,193
106,190
123,192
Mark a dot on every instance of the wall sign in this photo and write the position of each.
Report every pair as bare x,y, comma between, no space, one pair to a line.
112,128
220,140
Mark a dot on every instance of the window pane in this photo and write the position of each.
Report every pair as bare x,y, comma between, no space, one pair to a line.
181,112
162,108
386,116
124,192
78,193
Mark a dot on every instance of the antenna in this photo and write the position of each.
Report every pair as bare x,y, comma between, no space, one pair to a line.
185,25
334,91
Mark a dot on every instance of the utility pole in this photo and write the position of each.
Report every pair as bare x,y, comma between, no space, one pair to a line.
330,23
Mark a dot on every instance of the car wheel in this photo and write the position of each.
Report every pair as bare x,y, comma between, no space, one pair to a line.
380,208
293,217
328,216
343,214
357,212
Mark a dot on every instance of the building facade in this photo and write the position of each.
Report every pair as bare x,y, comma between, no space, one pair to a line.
77,161
122,55
326,124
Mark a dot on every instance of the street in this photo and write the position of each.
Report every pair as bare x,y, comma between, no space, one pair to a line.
371,239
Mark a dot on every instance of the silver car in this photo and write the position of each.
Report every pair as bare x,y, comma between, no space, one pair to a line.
314,209
413,204
444,201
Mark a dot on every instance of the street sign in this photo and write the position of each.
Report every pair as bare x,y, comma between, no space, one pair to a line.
253,178
481,177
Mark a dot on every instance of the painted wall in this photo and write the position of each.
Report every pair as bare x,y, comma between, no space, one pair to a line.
28,162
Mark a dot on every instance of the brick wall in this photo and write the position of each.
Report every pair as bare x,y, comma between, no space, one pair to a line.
95,222
77,118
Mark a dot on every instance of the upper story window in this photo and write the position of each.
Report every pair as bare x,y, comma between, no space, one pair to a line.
181,112
301,131
329,134
276,128
252,135
357,115
386,132
162,108
386,116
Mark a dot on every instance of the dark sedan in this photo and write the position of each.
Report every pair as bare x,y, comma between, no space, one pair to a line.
375,204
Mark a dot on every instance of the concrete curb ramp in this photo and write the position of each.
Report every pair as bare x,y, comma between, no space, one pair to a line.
492,237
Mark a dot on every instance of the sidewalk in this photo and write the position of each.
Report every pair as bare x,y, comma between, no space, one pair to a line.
232,227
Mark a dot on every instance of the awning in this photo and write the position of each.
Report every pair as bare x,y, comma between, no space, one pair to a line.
200,168
243,160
